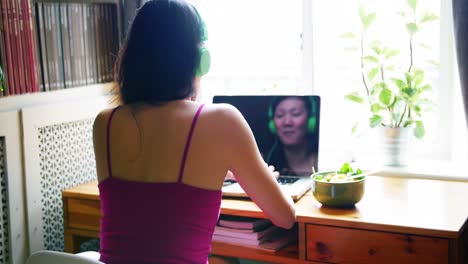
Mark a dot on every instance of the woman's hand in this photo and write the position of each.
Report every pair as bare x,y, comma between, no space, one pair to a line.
274,173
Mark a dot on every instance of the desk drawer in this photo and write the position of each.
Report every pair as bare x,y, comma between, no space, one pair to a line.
82,213
342,245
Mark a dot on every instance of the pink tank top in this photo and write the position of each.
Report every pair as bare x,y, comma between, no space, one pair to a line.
156,222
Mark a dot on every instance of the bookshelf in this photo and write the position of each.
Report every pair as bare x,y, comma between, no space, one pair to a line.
31,119
48,45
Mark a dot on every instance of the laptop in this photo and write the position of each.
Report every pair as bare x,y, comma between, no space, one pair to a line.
284,127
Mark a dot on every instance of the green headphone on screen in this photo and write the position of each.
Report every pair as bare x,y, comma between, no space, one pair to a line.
311,122
205,57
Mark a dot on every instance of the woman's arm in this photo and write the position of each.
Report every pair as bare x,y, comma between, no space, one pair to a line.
252,173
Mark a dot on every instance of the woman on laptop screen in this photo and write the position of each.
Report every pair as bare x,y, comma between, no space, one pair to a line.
162,157
293,122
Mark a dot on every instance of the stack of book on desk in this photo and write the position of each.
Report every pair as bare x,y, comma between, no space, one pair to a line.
251,232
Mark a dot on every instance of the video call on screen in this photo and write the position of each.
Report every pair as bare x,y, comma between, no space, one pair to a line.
281,124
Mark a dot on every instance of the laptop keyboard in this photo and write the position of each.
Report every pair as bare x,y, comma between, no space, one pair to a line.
288,179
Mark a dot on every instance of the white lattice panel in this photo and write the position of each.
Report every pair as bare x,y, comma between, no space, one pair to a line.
66,160
13,235
4,237
58,155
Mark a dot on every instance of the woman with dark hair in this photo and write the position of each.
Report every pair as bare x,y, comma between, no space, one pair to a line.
293,123
161,157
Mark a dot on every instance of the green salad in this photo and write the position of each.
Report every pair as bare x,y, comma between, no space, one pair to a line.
345,174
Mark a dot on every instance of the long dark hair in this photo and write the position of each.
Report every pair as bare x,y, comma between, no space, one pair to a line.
159,58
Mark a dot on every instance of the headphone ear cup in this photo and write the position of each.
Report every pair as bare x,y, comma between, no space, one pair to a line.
272,127
311,124
205,62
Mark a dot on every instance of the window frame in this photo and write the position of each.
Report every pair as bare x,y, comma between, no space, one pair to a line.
445,146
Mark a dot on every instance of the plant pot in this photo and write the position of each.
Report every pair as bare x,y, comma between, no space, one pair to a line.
394,148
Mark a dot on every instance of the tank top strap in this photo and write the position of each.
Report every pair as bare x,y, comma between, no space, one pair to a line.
109,168
187,144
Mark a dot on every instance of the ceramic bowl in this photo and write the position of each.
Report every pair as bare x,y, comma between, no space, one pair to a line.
337,194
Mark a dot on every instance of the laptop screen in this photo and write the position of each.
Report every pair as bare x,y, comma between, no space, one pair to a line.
286,129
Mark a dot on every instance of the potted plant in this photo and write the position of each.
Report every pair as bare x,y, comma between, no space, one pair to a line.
396,95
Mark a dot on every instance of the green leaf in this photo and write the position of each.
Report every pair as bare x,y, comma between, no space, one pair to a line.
417,108
366,18
369,19
389,68
428,17
412,4
355,97
345,168
419,130
386,97
399,83
381,85
426,87
412,28
408,123
395,101
354,129
374,90
391,53
376,49
348,35
372,73
371,59
418,77
376,108
409,79
318,177
410,92
375,120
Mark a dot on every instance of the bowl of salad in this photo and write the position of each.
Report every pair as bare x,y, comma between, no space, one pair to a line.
341,188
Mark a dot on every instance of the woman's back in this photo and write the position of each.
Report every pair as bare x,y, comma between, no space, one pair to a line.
161,165
149,216
147,144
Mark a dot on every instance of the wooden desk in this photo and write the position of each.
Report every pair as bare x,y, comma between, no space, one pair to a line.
398,221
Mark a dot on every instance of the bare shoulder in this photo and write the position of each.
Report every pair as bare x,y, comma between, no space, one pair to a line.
225,114
100,127
227,123
101,119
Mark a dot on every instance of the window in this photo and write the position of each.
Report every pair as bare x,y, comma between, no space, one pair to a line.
279,47
337,70
255,46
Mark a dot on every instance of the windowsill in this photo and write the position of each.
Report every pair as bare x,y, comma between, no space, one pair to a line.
419,169
436,170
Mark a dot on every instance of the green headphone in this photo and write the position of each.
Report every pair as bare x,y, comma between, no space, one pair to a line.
311,122
205,57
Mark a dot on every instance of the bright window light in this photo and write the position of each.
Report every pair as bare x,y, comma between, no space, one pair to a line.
255,45
294,47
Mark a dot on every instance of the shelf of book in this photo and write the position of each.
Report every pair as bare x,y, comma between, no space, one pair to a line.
50,45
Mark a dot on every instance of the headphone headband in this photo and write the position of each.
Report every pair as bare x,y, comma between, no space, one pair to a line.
205,57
